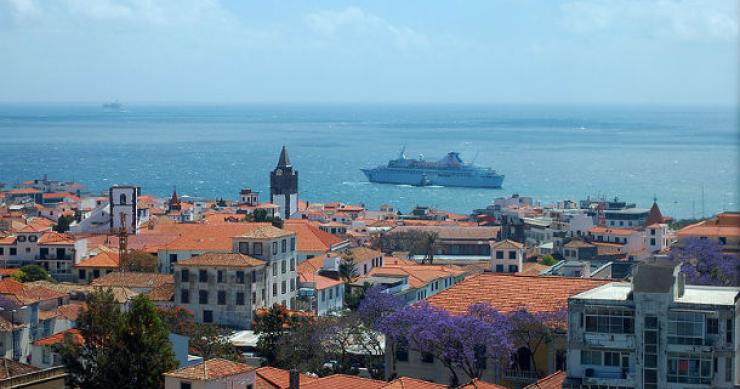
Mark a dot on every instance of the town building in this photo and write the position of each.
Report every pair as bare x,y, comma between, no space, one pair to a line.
723,228
505,293
216,373
507,256
655,332
284,186
221,288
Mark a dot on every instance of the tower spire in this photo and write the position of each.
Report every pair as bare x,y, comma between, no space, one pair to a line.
284,161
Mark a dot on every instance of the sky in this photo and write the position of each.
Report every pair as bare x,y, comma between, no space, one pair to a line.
387,51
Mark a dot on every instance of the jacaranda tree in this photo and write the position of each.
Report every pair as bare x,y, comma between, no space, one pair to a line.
535,330
704,263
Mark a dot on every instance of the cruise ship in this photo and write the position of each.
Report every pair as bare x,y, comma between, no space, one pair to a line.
448,171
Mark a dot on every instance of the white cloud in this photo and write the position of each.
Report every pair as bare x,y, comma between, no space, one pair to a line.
360,24
682,20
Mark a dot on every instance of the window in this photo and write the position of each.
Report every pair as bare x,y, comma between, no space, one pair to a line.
13,251
589,357
239,298
122,199
2,251
221,296
611,358
427,357
323,295
274,269
46,356
254,276
499,268
282,267
239,277
244,248
185,385
274,289
185,296
274,248
512,254
292,264
402,350
513,268
292,244
207,316
184,275
284,246
173,258
220,276
712,326
722,240
82,274
331,294
292,284
728,331
685,328
283,289
729,371
690,368
257,249
202,276
202,297
609,320
96,273
652,241
499,254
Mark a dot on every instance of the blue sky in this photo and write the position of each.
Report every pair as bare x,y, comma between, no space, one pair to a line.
488,51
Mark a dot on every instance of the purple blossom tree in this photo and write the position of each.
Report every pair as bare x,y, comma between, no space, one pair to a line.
533,330
377,304
704,263
466,342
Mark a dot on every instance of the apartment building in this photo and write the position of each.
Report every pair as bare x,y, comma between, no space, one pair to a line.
655,332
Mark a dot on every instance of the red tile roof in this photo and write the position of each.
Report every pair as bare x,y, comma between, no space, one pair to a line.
211,369
103,260
235,260
412,383
612,231
478,384
10,368
56,239
310,238
272,377
553,381
59,338
510,292
134,280
725,224
342,381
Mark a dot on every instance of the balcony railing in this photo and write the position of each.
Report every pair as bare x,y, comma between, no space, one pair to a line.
53,258
621,341
521,375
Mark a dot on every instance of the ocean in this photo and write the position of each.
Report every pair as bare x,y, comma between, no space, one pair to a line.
548,152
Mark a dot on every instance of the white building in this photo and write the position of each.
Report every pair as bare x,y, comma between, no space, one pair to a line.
655,332
507,256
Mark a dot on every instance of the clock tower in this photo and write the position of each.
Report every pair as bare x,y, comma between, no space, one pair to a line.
284,186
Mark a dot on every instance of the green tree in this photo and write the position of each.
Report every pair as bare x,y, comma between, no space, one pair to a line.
205,340
140,261
260,215
348,268
121,350
273,324
31,273
548,260
63,223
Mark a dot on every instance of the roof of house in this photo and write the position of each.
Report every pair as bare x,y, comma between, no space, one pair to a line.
553,381
266,232
361,254
321,282
59,338
56,239
164,292
507,245
235,260
507,293
478,384
67,311
274,378
211,369
612,231
133,279
10,368
725,224
27,294
412,383
419,275
104,259
310,238
577,244
343,381
455,232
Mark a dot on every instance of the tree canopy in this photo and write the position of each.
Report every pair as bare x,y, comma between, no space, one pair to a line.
704,263
119,349
31,273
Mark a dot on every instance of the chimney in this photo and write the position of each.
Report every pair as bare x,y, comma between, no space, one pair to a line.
295,381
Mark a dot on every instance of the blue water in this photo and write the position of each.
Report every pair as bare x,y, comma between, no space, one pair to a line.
550,153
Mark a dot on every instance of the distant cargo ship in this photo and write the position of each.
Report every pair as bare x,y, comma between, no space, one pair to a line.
449,171
113,105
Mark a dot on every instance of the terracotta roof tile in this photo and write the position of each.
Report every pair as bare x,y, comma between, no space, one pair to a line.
361,254
56,238
507,244
419,275
59,338
553,381
510,292
412,383
10,368
309,237
611,231
342,381
133,280
266,232
103,259
478,384
725,224
164,292
211,369
272,377
222,260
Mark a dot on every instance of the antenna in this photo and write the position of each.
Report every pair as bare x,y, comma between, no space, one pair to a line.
702,201
475,158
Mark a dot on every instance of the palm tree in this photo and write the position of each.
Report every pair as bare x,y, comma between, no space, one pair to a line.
430,246
348,268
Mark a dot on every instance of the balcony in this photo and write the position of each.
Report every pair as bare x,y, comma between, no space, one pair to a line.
521,376
614,341
607,375
53,258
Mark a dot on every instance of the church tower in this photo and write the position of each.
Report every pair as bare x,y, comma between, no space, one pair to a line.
284,186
